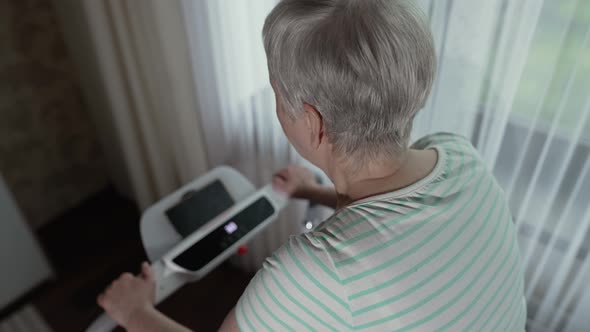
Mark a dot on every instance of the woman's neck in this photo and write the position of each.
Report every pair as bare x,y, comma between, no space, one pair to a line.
380,176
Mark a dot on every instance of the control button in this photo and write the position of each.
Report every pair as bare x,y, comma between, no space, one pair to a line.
242,250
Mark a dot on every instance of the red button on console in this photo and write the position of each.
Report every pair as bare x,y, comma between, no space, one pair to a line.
242,250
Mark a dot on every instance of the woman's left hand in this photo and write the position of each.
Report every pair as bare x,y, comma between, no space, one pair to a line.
129,296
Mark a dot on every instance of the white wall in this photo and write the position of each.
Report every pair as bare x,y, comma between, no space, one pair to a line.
22,263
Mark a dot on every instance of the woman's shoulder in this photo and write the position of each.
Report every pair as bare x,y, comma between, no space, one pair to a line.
438,139
456,149
296,286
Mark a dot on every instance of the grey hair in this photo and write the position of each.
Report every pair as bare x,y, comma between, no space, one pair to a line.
367,66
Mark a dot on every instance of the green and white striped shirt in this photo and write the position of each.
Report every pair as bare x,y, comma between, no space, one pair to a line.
438,255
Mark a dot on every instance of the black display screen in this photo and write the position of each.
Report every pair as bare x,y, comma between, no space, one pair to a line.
212,245
198,207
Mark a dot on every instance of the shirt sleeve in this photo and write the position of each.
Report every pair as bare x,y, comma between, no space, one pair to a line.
295,290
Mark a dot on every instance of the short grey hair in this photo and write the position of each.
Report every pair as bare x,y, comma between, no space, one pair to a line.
367,66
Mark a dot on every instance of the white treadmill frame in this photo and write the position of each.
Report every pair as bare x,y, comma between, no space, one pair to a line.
162,242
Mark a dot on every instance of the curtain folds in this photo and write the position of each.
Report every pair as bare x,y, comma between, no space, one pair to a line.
527,74
134,60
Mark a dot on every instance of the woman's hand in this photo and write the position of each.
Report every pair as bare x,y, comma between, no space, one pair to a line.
296,181
129,297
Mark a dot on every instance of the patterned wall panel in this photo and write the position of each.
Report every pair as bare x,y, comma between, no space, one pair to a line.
49,153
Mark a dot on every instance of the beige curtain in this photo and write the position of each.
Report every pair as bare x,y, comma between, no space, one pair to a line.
137,78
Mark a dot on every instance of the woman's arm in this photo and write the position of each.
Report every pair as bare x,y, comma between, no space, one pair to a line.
130,302
150,319
322,195
130,299
230,324
299,182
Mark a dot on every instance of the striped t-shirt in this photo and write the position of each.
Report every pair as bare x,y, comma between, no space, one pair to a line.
438,255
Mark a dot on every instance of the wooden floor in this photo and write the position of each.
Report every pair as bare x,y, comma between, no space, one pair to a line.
94,243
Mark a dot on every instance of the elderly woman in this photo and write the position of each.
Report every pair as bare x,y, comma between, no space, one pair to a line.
422,237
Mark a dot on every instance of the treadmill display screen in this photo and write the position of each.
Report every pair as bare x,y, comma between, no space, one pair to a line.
213,244
198,207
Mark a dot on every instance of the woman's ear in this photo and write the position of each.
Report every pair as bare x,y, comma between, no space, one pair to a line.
315,124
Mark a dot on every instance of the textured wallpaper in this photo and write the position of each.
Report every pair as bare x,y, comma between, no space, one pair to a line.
49,154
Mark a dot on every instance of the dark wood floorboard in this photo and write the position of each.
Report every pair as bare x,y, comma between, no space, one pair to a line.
93,243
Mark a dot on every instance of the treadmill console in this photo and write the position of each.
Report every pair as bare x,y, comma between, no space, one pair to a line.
217,241
197,207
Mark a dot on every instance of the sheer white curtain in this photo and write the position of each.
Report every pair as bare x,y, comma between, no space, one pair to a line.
513,76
